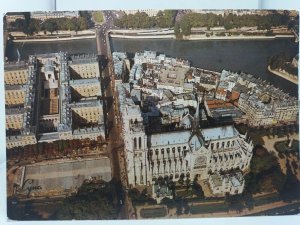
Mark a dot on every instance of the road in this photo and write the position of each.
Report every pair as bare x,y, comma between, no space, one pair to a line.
113,132
275,208
292,209
101,32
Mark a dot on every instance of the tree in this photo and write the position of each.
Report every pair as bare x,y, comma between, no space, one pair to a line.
198,189
138,20
50,25
291,188
161,20
133,193
262,160
235,202
170,203
249,202
82,23
188,183
93,201
169,16
265,174
177,31
179,206
34,26
19,24
26,212
185,27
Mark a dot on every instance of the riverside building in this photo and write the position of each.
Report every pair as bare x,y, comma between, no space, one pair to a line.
149,12
53,97
263,104
43,15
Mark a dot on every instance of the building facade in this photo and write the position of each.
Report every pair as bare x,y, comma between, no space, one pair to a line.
149,12
43,15
52,97
265,105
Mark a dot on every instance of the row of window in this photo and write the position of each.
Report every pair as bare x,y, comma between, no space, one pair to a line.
14,101
20,143
16,94
180,150
83,67
14,125
14,73
16,81
88,112
171,176
15,76
89,119
88,92
222,144
89,74
169,161
230,157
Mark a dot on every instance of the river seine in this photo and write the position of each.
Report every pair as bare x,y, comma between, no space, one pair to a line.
250,56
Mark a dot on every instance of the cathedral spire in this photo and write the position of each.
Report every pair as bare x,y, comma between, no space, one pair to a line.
196,116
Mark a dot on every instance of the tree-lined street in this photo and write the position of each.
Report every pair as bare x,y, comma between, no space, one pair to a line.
115,146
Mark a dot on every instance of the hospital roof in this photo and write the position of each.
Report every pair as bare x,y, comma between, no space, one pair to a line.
85,81
15,66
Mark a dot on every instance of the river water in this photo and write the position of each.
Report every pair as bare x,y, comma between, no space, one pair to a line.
249,56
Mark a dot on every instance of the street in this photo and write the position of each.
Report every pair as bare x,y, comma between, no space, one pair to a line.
114,134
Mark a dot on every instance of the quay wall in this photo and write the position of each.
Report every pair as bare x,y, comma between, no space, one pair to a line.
55,39
284,75
197,37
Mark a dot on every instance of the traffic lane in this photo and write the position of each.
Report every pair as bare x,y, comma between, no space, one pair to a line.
291,209
116,143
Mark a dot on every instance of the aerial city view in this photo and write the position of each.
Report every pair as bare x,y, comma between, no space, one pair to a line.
145,114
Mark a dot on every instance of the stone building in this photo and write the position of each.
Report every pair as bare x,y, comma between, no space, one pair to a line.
149,12
184,153
16,73
43,15
51,97
265,105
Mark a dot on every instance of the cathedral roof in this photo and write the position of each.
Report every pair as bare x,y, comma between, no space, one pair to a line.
195,141
170,138
219,132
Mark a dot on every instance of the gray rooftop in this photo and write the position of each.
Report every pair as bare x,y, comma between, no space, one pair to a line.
83,59
15,87
219,133
14,110
84,82
86,103
15,66
170,138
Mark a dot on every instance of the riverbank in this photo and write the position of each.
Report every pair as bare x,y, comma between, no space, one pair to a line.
284,75
163,36
198,37
153,34
54,39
